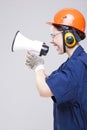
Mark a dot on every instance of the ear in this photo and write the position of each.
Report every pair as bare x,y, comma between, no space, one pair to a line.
69,39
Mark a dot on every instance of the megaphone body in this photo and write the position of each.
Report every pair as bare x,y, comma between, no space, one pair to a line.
22,43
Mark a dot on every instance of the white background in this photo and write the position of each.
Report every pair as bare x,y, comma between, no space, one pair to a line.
21,107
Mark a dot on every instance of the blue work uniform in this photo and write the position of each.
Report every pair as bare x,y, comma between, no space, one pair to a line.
69,87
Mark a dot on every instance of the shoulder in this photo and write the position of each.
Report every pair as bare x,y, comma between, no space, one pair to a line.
76,66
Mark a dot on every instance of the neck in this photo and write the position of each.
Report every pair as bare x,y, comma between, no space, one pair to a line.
70,51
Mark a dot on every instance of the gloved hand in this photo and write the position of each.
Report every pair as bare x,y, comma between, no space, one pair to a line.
34,62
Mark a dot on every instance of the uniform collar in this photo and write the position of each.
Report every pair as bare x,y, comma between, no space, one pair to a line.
77,52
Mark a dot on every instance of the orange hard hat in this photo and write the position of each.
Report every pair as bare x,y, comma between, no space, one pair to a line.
70,17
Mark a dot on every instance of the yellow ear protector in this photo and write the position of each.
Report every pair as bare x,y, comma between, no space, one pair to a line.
69,39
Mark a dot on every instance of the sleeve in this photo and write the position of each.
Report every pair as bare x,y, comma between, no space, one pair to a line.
63,84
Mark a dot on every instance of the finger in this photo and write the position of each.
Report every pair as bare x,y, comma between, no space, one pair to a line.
28,56
29,52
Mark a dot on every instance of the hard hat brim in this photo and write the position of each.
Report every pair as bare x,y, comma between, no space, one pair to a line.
50,23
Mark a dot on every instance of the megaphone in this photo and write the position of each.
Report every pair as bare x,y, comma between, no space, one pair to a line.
20,42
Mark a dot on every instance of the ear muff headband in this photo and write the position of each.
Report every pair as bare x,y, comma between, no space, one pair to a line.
69,39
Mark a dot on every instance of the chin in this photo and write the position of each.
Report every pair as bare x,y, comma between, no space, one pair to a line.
59,52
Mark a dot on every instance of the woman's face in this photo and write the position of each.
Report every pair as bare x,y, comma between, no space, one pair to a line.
57,39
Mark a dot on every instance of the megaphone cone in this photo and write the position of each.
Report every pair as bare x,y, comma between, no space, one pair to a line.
22,43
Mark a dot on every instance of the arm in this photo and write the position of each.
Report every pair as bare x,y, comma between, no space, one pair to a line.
37,64
42,86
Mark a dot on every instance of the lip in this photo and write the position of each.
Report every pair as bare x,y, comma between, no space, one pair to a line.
54,44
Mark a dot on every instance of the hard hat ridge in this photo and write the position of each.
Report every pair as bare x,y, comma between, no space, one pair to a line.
70,17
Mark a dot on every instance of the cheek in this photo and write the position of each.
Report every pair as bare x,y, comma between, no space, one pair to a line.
59,41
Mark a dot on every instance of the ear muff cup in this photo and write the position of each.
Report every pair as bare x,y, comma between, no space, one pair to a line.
69,39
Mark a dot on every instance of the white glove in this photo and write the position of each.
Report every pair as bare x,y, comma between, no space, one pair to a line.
34,62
